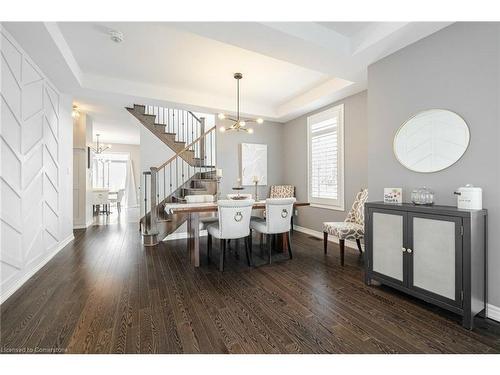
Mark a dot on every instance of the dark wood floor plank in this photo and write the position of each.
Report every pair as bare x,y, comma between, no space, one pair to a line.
106,293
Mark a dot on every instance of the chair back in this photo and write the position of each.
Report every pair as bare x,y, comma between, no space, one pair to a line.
199,198
100,196
282,191
120,194
234,217
357,211
279,213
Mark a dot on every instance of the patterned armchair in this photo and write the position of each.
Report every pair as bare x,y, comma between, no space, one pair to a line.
282,191
352,228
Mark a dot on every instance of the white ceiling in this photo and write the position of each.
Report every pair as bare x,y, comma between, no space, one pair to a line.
156,53
347,29
289,68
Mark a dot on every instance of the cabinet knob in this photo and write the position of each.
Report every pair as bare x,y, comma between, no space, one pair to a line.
409,251
404,250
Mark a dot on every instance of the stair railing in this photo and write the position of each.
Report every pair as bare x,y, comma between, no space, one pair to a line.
184,124
196,160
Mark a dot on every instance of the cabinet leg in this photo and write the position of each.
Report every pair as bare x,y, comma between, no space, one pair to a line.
367,279
468,321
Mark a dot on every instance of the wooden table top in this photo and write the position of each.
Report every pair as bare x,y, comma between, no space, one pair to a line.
212,207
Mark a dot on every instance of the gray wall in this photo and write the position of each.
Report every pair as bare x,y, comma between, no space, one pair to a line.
228,153
355,159
457,69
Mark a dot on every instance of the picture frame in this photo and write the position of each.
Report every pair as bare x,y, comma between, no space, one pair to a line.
393,195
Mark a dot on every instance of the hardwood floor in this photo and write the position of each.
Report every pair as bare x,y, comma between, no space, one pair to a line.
105,293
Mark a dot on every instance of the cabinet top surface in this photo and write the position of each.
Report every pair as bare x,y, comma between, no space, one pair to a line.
436,209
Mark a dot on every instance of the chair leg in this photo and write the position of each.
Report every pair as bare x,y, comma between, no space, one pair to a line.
291,224
289,246
342,243
248,252
222,255
209,247
325,242
268,243
358,242
250,241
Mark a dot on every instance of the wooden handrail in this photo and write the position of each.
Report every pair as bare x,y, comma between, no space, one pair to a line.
185,149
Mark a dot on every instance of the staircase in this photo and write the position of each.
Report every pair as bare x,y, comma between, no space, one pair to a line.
190,171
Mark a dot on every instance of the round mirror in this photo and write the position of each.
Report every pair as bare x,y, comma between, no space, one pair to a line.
431,140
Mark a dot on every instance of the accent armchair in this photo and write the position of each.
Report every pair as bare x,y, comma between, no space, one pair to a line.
352,228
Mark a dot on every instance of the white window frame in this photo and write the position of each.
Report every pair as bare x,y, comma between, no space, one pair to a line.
332,204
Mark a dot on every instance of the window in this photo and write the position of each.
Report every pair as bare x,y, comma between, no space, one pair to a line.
109,171
325,137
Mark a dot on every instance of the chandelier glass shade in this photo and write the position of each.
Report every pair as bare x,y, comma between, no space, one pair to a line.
238,123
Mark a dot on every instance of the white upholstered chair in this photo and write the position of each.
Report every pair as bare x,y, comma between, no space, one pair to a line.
352,228
117,198
277,221
100,198
233,223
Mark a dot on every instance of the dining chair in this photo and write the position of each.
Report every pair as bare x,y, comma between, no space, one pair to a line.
117,198
277,221
352,228
203,198
233,223
100,197
283,191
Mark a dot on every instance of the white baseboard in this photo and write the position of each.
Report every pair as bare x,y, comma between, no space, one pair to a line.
182,235
14,287
315,233
493,312
84,226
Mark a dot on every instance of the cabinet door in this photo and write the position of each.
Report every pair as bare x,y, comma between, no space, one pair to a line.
435,256
387,239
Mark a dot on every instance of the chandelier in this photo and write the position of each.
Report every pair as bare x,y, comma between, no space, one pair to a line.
238,122
99,148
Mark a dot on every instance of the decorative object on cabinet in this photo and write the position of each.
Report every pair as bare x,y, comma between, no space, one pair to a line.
431,140
469,197
393,195
435,253
352,228
422,196
253,163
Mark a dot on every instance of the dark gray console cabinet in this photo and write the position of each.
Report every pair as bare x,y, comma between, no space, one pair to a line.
435,253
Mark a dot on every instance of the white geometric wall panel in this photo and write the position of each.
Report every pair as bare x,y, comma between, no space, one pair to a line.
30,175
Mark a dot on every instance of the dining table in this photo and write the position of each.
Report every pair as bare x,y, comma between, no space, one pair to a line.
195,210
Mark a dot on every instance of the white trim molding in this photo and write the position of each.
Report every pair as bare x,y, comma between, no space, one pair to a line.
5,294
315,233
318,118
493,312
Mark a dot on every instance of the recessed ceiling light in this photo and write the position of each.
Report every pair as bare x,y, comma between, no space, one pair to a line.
116,36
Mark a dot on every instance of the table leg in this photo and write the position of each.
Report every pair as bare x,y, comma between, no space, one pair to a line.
194,238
